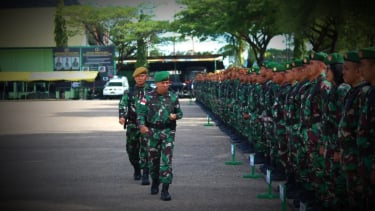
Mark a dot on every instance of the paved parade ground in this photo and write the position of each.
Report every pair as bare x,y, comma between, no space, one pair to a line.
70,155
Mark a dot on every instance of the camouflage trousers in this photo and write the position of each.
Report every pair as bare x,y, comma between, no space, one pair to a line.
136,146
161,144
281,143
292,147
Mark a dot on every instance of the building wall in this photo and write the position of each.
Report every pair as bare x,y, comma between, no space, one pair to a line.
26,59
31,27
27,39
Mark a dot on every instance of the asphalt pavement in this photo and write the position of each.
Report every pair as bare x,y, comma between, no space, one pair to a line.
70,155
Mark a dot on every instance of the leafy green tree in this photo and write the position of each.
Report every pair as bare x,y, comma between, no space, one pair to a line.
333,25
61,36
234,50
251,21
122,27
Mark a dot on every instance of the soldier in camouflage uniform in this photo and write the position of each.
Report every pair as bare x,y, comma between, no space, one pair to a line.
136,145
157,113
297,147
348,130
332,188
365,136
257,124
280,142
295,77
248,112
317,95
265,114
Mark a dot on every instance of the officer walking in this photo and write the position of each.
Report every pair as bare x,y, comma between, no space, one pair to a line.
136,147
157,113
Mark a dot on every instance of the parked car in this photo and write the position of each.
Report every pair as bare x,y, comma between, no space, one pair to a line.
116,87
151,83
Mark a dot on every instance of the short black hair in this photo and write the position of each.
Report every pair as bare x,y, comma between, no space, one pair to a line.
337,69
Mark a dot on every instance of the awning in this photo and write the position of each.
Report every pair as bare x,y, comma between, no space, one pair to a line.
64,75
49,76
14,76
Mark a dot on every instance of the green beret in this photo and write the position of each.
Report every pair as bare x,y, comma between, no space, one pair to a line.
255,69
306,60
279,68
367,53
335,58
352,56
319,56
271,65
161,76
140,70
297,63
288,66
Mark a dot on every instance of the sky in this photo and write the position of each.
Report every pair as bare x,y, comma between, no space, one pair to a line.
165,10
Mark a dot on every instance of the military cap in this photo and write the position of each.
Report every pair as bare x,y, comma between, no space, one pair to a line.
297,63
306,60
255,69
271,65
140,70
279,68
335,58
161,76
367,53
352,56
319,56
288,66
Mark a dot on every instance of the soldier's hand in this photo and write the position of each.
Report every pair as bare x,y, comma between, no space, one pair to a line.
121,120
143,129
172,116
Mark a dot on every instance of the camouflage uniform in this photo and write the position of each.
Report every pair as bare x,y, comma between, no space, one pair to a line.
136,145
279,108
153,111
313,111
333,191
292,121
350,146
301,148
258,136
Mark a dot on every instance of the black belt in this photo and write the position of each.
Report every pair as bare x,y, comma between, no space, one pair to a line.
130,121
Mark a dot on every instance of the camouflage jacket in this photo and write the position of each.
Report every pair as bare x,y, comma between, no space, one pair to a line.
129,100
155,109
348,126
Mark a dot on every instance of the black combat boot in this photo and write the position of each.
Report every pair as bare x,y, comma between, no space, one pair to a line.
155,186
165,196
137,172
259,158
145,179
279,172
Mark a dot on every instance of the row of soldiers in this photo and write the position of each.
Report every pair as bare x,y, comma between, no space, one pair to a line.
311,119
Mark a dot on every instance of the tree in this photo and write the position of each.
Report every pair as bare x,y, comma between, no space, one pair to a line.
251,21
61,36
123,27
329,26
234,50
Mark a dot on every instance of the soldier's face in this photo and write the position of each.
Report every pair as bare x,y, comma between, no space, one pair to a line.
162,87
350,72
140,79
330,75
